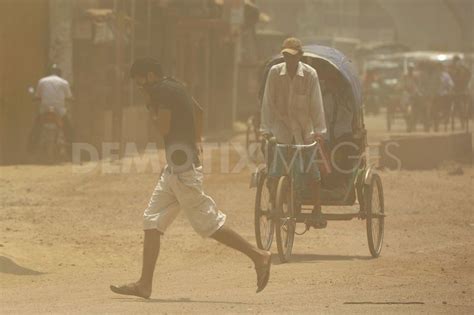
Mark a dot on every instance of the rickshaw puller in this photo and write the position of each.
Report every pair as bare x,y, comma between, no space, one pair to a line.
292,110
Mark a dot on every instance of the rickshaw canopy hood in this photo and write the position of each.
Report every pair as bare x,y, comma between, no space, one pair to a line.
341,63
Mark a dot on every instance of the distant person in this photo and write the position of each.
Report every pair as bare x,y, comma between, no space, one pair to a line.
429,83
372,85
180,185
411,97
52,91
461,76
442,100
292,110
411,83
410,88
338,107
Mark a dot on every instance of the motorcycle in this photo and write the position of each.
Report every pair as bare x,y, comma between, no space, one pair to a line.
51,144
50,147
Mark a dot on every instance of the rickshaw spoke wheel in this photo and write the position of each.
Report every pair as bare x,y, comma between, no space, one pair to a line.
375,215
285,225
264,223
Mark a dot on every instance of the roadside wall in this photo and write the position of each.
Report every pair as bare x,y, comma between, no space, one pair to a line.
23,58
425,152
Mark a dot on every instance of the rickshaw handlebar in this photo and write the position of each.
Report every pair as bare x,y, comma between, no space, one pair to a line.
272,141
297,146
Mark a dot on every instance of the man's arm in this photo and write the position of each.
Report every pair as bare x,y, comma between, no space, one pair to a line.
198,113
316,108
67,92
38,93
163,120
267,116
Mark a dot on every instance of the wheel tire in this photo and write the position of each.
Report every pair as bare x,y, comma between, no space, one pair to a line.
48,148
285,221
375,220
263,230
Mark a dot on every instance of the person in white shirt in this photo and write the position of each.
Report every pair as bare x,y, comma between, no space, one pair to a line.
52,91
292,108
443,100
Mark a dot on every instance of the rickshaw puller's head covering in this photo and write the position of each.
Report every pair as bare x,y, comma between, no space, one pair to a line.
292,46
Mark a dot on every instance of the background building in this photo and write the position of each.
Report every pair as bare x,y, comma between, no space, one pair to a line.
24,48
420,24
94,42
216,47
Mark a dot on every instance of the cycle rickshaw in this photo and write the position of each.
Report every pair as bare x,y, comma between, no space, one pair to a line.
279,207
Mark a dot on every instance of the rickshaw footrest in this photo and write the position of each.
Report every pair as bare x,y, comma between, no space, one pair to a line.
303,217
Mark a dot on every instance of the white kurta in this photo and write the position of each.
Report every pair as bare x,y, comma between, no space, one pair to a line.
292,109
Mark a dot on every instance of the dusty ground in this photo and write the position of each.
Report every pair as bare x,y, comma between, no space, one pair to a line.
66,236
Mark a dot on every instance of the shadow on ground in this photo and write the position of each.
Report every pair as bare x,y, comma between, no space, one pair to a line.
7,265
180,300
305,258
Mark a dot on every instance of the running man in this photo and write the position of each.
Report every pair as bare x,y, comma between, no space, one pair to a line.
180,185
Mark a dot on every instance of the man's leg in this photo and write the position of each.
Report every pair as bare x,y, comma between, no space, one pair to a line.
437,105
261,258
160,213
229,237
208,221
318,221
151,249
428,106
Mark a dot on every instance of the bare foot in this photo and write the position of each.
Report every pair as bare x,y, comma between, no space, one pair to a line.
135,289
263,270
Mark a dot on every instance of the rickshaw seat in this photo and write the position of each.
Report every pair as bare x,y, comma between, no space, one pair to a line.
344,164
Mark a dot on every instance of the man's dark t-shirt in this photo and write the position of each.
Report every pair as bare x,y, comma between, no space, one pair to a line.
180,142
461,77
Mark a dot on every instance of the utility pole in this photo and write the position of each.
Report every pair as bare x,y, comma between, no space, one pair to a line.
235,15
132,49
117,111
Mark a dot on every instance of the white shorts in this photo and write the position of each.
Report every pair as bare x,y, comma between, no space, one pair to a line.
182,191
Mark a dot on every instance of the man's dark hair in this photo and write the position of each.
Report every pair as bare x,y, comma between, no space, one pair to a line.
142,66
54,69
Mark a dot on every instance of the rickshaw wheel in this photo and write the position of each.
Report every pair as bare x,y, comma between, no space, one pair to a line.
264,224
374,205
285,222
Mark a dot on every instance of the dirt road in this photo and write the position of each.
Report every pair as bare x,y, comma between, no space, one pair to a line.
66,236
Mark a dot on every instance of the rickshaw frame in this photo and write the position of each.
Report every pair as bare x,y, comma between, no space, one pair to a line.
364,177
